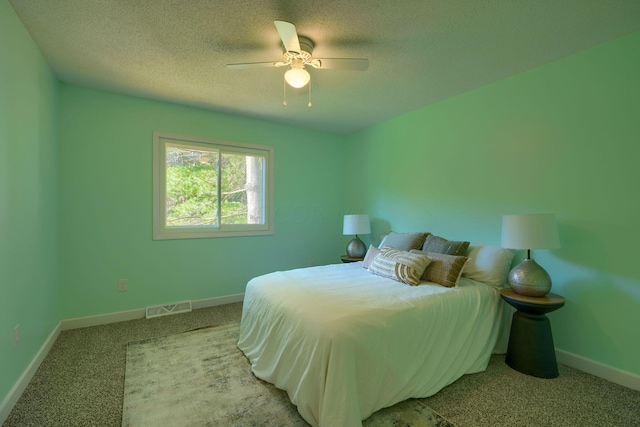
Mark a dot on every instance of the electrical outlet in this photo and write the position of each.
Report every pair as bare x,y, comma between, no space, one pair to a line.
123,284
16,335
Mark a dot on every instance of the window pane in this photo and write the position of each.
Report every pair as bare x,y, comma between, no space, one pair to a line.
206,188
191,186
242,189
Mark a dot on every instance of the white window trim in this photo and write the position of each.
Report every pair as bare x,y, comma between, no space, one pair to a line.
162,232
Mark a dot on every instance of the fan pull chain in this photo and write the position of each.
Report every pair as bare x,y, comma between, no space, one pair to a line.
284,89
309,104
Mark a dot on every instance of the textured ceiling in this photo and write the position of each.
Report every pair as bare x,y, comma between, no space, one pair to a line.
419,51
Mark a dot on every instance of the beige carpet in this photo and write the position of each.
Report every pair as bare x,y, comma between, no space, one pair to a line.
81,383
200,377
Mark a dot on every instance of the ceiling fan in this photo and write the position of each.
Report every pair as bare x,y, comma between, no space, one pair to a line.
298,54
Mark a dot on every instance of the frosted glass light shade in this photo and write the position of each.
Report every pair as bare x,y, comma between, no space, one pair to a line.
297,77
530,231
356,224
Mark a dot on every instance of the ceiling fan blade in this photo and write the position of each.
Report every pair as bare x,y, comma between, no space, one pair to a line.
356,64
245,65
289,35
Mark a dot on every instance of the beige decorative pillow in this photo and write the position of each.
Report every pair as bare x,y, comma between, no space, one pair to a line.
399,265
443,269
404,241
371,254
443,246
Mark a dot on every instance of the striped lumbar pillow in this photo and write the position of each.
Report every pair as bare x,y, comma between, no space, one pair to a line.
400,265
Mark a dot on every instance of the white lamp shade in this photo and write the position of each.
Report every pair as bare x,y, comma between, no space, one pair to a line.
531,231
297,77
356,224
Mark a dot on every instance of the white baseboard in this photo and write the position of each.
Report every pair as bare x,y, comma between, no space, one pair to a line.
589,366
211,302
139,313
102,319
14,394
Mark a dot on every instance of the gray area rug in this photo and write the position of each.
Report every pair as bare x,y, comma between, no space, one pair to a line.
200,377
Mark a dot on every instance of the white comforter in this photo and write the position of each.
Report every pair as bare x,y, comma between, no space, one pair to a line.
344,343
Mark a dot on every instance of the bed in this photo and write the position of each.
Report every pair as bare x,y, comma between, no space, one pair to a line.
344,342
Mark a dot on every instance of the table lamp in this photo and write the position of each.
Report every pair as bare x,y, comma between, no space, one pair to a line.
531,231
356,224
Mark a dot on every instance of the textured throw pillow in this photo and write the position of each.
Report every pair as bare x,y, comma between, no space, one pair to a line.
371,254
444,246
404,241
488,264
443,269
400,265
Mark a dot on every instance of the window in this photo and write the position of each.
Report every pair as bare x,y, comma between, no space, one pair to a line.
209,188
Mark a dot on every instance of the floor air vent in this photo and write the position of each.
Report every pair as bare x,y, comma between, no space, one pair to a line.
164,310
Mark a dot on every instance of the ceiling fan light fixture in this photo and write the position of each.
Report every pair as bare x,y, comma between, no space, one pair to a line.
297,77
298,52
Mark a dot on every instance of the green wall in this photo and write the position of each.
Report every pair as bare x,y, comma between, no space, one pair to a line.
28,289
562,138
105,220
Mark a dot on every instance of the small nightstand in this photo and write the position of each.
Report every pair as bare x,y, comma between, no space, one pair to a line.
531,349
347,258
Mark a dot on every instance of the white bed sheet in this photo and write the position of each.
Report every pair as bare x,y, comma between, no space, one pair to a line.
345,343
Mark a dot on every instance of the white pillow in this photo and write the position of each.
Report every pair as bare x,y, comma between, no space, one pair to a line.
369,257
488,264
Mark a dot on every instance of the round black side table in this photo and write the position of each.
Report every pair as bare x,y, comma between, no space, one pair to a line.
530,348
